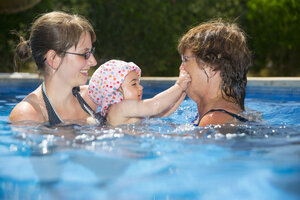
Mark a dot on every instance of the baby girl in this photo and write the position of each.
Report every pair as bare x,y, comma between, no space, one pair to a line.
115,89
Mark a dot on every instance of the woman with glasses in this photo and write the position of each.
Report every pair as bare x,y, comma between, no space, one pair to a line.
61,46
216,56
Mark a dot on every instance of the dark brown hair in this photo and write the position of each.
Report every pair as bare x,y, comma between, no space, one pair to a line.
55,30
223,47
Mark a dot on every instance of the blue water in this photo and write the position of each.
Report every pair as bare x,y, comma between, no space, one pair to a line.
163,158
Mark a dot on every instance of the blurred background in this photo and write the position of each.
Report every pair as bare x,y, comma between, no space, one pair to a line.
147,31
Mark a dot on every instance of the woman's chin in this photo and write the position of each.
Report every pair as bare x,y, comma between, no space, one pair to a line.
191,94
82,81
188,91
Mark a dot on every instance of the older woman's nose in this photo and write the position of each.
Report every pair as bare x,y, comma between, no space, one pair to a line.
181,66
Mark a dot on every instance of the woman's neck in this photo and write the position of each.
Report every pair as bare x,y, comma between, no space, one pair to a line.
58,92
217,103
213,99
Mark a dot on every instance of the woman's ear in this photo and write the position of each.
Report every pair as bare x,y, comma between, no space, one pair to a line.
52,59
210,72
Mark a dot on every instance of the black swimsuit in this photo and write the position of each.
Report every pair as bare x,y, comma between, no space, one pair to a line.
54,118
240,118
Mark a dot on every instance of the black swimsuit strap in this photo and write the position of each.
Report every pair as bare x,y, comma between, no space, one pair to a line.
101,120
240,118
82,102
197,120
53,117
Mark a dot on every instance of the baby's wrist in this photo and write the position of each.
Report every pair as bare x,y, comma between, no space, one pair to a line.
182,88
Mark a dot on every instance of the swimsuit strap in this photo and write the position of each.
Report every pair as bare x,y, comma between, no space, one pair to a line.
240,118
53,117
101,120
82,102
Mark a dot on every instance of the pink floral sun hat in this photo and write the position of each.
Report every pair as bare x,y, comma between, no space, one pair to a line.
105,82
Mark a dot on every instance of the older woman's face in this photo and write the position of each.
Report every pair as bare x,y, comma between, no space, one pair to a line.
199,79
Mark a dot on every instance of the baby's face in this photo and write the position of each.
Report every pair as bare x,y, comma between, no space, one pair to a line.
131,87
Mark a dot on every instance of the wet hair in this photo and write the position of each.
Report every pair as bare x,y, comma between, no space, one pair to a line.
54,30
223,47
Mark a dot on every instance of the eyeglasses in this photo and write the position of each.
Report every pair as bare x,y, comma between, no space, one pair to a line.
185,59
85,55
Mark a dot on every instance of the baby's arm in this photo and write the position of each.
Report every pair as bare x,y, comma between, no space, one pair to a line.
172,109
154,106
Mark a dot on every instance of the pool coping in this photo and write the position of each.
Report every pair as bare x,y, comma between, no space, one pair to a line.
252,81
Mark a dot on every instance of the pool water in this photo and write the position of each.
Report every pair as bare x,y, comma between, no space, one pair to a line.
161,158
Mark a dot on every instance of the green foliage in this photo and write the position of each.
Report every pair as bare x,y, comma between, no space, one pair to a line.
275,39
147,31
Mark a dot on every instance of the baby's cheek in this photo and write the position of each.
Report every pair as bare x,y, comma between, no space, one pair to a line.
126,94
129,94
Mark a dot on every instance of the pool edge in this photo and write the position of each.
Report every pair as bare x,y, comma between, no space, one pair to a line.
252,81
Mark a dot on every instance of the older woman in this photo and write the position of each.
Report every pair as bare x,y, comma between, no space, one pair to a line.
216,56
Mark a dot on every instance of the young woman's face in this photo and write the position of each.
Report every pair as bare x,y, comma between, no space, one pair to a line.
74,68
131,87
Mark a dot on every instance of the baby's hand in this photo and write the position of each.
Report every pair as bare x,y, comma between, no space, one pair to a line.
184,79
91,121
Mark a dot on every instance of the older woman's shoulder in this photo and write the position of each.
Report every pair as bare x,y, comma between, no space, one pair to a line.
214,118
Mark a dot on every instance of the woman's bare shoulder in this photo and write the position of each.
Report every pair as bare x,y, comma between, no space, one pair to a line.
215,118
28,109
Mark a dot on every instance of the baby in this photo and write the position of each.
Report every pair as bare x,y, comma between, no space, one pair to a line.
115,89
